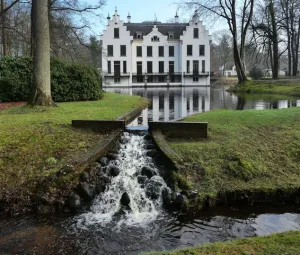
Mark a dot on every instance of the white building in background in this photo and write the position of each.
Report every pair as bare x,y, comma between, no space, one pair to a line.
155,53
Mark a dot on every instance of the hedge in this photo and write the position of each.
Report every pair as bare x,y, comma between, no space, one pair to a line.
69,81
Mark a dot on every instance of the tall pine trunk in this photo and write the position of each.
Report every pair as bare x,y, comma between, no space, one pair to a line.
41,94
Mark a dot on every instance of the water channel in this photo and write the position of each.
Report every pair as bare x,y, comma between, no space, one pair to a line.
146,226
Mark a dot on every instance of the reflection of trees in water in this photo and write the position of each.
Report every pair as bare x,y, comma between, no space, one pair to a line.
274,104
241,102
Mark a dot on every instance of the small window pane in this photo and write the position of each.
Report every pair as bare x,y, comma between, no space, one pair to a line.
123,50
109,66
124,67
190,50
202,50
196,33
110,50
139,51
171,51
116,33
161,67
161,51
149,51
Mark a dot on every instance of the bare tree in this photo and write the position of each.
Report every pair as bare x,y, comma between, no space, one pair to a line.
8,7
238,15
290,22
267,32
41,94
69,27
223,47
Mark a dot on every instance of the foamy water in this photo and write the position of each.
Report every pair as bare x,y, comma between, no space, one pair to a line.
106,207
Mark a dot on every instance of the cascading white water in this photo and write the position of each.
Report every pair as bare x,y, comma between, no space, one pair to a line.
131,158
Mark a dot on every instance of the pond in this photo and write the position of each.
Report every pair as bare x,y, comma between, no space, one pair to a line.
169,104
100,229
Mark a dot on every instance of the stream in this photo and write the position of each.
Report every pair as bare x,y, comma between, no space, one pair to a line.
107,227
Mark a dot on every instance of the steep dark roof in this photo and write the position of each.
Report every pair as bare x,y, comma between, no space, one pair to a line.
164,28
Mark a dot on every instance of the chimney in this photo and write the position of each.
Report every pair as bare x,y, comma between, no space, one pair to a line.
176,18
108,19
129,18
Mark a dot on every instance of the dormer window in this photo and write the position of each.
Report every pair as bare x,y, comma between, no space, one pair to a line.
155,39
138,35
171,35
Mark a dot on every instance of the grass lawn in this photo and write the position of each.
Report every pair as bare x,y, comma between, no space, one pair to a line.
36,142
278,244
246,151
287,87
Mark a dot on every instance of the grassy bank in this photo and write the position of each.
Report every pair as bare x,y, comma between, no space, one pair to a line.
36,142
285,243
284,87
247,153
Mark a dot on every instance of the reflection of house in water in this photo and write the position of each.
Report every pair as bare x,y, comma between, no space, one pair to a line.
169,104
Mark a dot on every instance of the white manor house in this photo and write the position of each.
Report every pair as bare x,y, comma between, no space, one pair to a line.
155,53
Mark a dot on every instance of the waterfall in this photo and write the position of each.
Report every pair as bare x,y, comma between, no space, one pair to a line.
106,208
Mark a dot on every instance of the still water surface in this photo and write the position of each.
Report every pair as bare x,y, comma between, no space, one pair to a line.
169,104
148,228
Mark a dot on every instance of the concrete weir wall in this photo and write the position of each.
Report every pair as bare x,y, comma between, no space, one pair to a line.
99,125
181,129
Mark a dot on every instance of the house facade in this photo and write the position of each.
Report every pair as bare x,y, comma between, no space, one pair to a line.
155,53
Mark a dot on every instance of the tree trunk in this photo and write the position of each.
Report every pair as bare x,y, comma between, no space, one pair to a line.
240,69
295,62
289,57
274,41
41,94
3,30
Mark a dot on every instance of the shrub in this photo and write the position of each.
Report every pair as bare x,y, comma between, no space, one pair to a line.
15,79
69,82
256,73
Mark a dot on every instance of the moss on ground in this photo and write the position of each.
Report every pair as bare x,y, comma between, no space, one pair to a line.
246,152
278,244
35,142
283,87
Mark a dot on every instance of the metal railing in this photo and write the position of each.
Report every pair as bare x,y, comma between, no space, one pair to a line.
116,74
196,74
